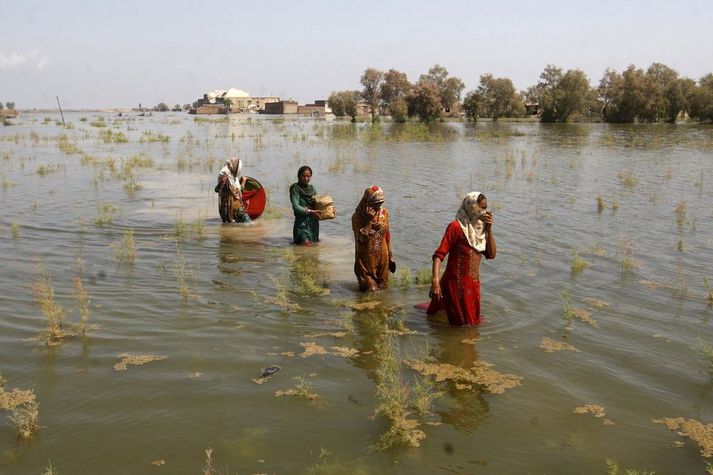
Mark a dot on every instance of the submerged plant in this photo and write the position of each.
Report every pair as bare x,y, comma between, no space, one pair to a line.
55,313
301,389
15,231
578,263
626,255
600,203
613,469
106,214
83,301
681,213
23,409
404,278
125,251
49,469
184,276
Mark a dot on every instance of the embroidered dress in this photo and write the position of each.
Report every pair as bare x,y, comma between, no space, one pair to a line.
306,227
230,204
460,284
372,242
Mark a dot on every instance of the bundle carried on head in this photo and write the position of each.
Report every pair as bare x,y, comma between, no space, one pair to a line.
325,205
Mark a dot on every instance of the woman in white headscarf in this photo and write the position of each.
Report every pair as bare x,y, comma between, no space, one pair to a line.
466,240
229,189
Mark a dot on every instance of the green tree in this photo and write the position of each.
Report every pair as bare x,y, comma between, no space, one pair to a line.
449,88
498,98
161,107
344,103
610,92
561,95
394,90
679,95
471,105
371,81
177,108
399,110
701,106
186,107
10,105
424,101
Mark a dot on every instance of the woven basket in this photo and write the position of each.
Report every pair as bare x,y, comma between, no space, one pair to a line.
325,205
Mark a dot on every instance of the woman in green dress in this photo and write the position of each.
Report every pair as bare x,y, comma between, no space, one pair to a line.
306,228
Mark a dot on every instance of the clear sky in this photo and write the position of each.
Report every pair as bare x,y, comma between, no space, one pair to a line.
100,53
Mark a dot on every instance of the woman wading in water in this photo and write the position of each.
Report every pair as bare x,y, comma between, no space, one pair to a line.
306,228
229,189
373,257
465,241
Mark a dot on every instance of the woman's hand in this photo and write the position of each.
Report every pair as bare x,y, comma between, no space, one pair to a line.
371,211
313,212
487,220
435,292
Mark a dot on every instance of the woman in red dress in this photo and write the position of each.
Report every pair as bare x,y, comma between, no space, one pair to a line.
465,241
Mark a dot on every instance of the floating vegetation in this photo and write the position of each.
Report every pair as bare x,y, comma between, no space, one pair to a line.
393,398
109,136
700,433
550,346
613,469
125,250
106,214
138,360
627,178
584,316
480,374
595,410
43,170
306,281
49,469
311,348
707,352
368,305
15,231
595,303
281,297
23,408
626,255
578,263
98,123
301,389
151,137
183,230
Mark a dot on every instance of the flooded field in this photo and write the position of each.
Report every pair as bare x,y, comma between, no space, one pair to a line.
137,330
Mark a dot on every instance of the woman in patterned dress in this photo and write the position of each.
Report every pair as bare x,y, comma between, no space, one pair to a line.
465,242
373,257
229,189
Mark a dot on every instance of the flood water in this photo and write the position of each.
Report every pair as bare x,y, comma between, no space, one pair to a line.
222,302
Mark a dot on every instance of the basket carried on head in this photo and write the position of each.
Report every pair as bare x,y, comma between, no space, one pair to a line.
325,205
254,197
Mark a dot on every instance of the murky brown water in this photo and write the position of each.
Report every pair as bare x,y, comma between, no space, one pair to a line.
640,357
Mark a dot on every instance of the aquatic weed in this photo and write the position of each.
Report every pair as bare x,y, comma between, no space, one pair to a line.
578,263
301,389
15,231
55,313
106,214
625,251
125,251
681,213
600,204
185,278
613,469
49,469
83,302
403,278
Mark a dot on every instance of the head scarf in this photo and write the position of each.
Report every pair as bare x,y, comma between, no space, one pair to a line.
372,196
469,216
235,165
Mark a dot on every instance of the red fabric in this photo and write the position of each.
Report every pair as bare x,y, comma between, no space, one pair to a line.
460,284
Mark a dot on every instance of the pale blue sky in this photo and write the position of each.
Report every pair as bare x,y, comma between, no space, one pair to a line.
117,54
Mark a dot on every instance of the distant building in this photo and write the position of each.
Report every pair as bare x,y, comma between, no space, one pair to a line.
234,100
318,109
9,113
209,109
280,107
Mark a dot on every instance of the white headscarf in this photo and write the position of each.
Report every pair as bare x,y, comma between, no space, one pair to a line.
232,169
469,216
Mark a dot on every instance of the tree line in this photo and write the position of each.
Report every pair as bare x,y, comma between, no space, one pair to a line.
9,105
657,94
